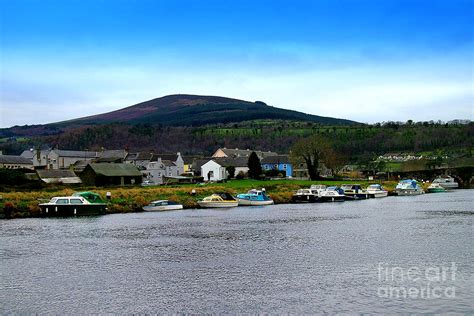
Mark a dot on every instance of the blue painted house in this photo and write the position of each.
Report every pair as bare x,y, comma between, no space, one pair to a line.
279,163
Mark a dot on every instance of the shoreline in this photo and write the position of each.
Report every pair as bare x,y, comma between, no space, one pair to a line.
132,199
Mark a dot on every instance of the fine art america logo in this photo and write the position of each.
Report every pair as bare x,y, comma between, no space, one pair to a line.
430,282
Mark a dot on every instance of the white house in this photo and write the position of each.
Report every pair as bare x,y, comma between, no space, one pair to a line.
239,163
157,170
213,171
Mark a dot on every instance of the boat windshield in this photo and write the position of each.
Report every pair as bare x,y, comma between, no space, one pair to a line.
375,186
225,196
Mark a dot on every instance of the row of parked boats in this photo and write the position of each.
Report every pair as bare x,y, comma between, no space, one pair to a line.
90,203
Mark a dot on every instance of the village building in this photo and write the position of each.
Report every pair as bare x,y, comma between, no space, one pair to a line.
139,159
197,165
240,164
106,174
112,156
157,165
15,162
189,162
177,162
213,171
399,157
58,176
58,159
236,153
279,163
157,170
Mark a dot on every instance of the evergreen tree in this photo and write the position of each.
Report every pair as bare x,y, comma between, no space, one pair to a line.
255,169
231,171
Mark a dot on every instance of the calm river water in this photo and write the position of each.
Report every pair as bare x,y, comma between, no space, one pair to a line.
397,254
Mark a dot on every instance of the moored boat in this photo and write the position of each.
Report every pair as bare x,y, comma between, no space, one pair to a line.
162,205
79,204
305,196
332,194
318,188
376,191
221,200
435,188
446,182
354,192
310,195
254,198
408,187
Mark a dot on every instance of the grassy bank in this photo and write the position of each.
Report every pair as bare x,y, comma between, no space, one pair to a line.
132,199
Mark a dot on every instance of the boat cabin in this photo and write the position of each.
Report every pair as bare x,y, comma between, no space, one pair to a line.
64,200
351,188
163,203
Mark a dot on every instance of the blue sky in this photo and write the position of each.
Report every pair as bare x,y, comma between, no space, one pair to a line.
368,61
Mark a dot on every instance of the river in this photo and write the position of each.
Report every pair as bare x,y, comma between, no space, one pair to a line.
372,256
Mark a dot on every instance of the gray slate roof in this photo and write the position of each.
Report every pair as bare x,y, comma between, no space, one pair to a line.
171,157
234,162
10,159
139,156
277,159
58,176
28,154
110,154
76,153
115,169
246,152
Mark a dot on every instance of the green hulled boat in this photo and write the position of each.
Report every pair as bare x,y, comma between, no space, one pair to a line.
78,204
435,188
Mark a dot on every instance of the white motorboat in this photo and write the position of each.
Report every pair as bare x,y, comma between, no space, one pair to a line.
221,200
446,182
318,188
354,192
79,204
332,194
376,191
305,195
408,187
162,205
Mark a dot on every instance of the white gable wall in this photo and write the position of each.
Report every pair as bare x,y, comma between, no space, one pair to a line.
216,171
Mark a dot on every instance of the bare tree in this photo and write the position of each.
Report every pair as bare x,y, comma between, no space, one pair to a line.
311,151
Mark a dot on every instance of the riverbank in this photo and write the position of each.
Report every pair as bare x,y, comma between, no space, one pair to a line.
132,199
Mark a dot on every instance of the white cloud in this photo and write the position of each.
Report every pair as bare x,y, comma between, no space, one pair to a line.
32,93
